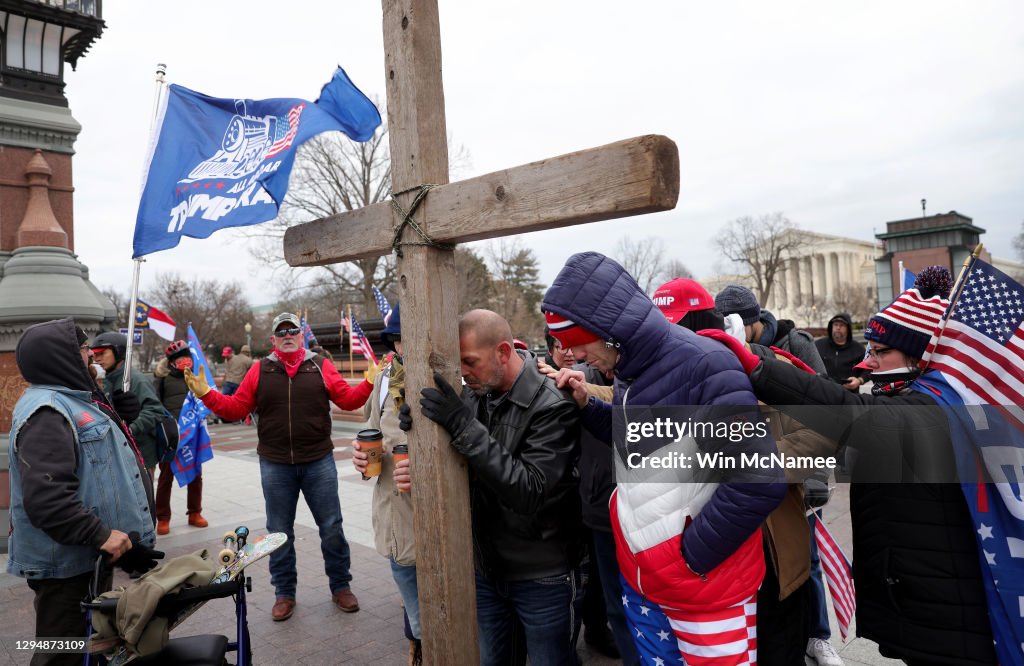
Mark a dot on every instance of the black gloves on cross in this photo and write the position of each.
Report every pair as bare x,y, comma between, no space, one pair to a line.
442,405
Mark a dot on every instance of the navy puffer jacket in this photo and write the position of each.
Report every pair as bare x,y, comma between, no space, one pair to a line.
663,365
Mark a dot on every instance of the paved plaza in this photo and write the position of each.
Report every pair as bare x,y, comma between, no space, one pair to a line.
318,633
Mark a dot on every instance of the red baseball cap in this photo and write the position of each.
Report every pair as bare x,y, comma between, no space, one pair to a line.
677,297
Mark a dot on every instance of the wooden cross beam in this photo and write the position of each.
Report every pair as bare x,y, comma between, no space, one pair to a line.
631,177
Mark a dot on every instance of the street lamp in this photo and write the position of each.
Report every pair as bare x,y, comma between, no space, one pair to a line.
248,334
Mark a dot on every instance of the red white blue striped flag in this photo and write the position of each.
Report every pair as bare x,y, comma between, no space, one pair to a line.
839,575
359,343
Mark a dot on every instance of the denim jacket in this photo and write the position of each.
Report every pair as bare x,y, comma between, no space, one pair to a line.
106,471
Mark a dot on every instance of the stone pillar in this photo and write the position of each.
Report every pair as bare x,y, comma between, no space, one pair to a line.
793,283
806,281
833,271
824,286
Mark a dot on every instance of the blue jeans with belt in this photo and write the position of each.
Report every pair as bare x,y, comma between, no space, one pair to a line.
547,609
318,483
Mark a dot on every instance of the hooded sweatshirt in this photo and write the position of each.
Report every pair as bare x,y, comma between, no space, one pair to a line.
46,449
839,360
661,364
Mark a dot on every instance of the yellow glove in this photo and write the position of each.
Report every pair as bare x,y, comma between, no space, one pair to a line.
197,385
374,371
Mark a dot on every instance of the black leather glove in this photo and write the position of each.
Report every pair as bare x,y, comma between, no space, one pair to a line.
126,404
444,406
816,493
140,558
405,417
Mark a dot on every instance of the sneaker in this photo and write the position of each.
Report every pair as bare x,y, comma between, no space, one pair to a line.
346,601
163,526
822,652
283,609
197,520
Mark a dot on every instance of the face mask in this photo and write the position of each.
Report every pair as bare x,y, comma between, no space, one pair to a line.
182,362
98,371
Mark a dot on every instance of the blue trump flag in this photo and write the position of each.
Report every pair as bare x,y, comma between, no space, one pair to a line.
193,438
219,163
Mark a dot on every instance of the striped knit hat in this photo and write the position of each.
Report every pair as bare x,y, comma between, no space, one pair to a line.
907,323
568,332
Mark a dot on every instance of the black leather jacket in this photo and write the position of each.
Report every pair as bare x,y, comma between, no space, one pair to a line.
523,485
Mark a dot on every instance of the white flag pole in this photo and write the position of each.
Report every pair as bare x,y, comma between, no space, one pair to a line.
161,72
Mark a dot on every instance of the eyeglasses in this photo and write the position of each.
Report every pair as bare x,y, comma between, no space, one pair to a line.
285,332
878,352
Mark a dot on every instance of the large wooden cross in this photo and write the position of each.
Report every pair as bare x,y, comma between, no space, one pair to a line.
630,177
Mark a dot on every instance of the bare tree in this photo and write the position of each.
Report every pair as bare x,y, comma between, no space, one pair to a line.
676,269
218,311
516,292
332,175
644,259
761,246
475,289
855,300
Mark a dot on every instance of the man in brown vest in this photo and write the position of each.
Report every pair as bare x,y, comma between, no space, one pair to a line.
290,391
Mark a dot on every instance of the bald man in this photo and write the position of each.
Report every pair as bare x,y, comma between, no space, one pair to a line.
520,437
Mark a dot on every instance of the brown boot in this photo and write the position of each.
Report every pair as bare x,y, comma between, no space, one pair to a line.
196,520
163,526
415,653
346,601
283,609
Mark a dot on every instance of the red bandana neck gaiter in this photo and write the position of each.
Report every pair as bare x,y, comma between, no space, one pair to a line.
291,360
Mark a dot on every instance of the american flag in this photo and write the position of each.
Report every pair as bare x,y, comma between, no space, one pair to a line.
359,343
308,339
382,304
666,636
293,128
979,346
839,575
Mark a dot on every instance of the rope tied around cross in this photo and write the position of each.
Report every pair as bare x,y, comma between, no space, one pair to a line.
408,220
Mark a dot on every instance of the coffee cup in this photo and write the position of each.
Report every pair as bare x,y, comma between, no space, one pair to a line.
371,442
400,452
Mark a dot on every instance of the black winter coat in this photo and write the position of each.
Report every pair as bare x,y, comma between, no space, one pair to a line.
523,484
915,559
597,476
839,361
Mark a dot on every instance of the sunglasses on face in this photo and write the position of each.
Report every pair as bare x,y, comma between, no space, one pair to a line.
285,332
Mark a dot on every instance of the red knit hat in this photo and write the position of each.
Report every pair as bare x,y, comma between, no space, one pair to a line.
568,332
678,297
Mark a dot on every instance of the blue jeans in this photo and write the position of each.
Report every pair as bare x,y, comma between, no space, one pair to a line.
405,578
318,482
817,611
608,570
229,388
546,608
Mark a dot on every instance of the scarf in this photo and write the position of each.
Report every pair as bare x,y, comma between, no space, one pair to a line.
892,382
771,328
291,360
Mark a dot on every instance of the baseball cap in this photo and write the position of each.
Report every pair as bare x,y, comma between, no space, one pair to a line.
285,317
677,297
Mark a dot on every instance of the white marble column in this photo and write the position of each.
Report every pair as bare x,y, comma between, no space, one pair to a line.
793,283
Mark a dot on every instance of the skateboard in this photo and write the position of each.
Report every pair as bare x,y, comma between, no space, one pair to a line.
237,554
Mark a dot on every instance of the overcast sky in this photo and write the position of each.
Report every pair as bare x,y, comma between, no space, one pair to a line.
841,115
